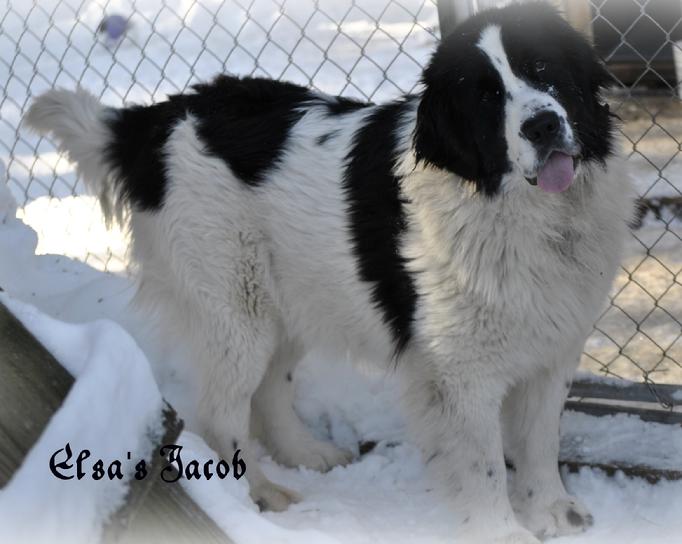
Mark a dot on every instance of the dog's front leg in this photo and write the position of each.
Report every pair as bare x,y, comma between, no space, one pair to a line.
531,416
458,427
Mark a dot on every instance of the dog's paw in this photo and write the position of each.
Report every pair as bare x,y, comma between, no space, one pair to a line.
314,454
516,537
565,516
325,456
272,497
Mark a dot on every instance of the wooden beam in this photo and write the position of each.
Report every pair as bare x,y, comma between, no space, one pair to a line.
33,385
452,12
650,474
168,516
663,394
649,415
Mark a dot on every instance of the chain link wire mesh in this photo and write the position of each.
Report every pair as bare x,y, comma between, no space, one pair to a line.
371,50
368,49
640,333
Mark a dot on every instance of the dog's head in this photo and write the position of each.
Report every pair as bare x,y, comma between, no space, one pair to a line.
513,94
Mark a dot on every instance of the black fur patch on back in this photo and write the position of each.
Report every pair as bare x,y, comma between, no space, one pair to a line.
340,105
139,134
377,218
246,122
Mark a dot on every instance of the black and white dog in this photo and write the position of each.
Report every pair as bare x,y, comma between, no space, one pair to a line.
470,231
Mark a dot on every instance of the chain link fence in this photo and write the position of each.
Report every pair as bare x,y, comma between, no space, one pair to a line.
640,333
368,49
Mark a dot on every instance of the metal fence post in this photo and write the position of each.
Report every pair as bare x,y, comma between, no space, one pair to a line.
451,12
579,14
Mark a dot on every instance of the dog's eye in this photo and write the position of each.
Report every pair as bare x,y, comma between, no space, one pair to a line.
487,94
539,66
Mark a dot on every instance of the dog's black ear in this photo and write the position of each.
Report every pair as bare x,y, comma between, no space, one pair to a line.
461,113
594,120
443,136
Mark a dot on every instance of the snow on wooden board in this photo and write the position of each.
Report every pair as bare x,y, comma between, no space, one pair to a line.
114,388
620,439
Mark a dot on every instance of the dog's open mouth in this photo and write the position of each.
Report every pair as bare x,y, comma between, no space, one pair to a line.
556,174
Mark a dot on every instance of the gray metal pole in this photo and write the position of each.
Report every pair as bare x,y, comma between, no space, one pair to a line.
451,12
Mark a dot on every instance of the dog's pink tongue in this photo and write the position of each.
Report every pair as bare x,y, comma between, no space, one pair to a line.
556,175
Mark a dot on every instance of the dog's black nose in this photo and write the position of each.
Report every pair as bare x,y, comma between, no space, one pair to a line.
542,128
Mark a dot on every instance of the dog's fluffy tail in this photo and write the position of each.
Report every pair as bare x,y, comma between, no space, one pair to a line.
78,123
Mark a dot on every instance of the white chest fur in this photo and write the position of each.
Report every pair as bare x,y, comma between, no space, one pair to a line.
516,277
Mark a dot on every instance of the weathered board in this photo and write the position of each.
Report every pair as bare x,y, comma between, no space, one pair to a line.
657,394
651,415
33,386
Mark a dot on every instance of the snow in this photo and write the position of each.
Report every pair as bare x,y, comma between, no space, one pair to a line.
383,496
228,503
115,387
602,380
636,442
84,314
74,226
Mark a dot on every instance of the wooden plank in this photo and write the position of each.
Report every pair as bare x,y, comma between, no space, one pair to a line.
158,512
649,415
169,516
140,489
664,394
451,12
33,386
650,474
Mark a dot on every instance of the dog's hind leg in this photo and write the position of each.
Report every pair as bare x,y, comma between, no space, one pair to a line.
211,252
234,332
279,427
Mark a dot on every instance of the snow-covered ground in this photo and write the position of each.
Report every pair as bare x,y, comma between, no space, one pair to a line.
385,496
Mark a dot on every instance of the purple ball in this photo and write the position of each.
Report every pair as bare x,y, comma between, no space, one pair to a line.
114,26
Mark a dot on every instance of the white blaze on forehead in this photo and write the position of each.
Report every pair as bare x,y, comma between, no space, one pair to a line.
523,102
490,43
527,99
